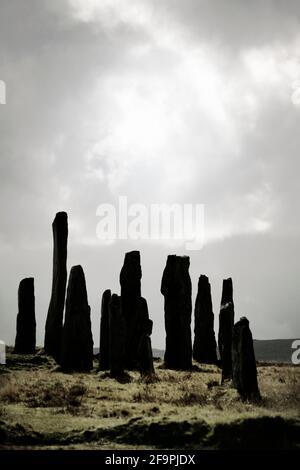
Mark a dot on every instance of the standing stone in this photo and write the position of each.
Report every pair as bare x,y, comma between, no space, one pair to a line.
205,346
226,321
117,337
244,373
77,344
26,325
104,332
54,323
146,366
176,288
130,281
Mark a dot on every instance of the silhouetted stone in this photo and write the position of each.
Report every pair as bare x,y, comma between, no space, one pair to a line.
104,332
244,373
54,323
77,344
117,337
26,325
227,292
132,305
205,346
145,355
177,290
226,321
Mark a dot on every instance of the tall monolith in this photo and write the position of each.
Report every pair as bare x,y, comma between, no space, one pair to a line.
26,324
244,373
104,331
226,322
176,288
117,337
77,339
205,346
133,308
54,322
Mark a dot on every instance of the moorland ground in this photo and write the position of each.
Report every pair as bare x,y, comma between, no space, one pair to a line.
43,408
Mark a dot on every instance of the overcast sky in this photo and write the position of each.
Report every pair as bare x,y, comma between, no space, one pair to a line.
173,101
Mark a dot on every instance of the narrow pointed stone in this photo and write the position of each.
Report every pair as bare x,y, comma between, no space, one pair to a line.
104,332
226,322
77,339
117,337
54,322
176,288
205,346
244,372
26,324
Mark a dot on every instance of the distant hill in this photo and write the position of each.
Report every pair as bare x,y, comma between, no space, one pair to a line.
266,350
273,350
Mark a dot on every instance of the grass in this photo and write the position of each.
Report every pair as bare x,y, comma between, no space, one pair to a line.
40,407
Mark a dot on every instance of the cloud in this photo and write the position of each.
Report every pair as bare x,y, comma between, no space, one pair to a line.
165,102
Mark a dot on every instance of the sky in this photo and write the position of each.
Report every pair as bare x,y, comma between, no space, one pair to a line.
187,102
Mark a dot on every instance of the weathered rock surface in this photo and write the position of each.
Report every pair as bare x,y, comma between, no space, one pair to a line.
177,290
26,324
205,346
54,322
244,373
77,340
